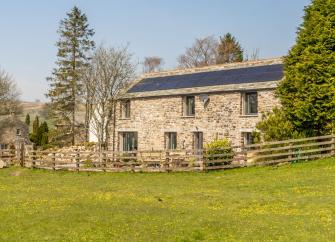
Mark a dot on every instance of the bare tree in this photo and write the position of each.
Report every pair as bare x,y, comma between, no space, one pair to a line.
253,56
9,94
202,53
109,72
152,64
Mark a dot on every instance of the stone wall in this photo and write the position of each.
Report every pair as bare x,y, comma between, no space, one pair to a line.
221,117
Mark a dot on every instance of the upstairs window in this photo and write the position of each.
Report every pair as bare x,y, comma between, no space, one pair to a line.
250,103
189,106
18,132
171,140
125,109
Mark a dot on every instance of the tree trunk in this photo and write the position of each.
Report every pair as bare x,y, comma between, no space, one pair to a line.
87,118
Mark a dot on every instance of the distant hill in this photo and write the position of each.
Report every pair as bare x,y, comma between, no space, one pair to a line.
41,109
35,108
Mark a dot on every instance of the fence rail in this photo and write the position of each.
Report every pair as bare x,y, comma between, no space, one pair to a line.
8,156
181,160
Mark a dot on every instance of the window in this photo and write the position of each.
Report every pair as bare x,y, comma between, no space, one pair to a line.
3,146
250,103
171,140
125,109
189,106
128,141
198,140
18,132
248,138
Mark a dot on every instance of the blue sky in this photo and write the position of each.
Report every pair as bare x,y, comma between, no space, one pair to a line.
160,27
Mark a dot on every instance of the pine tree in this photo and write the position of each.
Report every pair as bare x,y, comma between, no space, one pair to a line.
44,139
229,50
308,91
42,134
36,124
27,121
74,47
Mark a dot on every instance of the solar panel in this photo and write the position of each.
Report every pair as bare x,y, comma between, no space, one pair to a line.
211,78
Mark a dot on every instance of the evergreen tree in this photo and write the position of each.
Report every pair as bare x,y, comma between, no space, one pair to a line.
229,50
74,47
42,134
275,126
27,119
308,91
44,139
36,124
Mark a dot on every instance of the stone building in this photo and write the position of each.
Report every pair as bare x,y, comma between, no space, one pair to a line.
185,109
13,132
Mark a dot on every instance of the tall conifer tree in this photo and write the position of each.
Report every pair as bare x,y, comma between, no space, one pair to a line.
308,91
27,121
229,50
74,47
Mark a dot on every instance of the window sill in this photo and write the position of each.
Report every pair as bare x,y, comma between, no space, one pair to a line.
249,115
185,116
124,119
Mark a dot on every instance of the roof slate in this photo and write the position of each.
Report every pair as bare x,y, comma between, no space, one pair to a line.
254,74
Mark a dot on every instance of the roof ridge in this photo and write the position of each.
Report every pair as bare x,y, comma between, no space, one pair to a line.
226,66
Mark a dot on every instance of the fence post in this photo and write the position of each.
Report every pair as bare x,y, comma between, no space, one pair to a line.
290,156
201,159
244,154
21,153
33,165
77,161
54,161
104,159
333,145
167,161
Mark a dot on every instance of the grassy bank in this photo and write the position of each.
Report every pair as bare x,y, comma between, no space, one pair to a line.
293,202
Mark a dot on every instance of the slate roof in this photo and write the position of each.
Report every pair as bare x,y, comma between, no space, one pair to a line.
211,78
241,76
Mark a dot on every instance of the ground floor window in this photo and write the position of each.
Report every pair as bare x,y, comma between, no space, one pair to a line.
171,140
128,141
248,138
198,140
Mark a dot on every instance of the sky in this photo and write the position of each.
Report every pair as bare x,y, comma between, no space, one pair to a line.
150,28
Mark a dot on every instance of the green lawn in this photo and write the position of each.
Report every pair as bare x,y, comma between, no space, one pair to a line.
288,203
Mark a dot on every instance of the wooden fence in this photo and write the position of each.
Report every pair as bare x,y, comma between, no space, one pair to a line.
150,161
182,160
291,150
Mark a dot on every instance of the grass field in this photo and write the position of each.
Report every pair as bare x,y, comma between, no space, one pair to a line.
288,203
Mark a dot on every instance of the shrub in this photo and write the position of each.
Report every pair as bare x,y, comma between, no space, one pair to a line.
275,126
218,152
